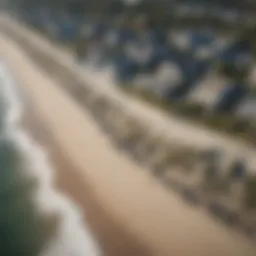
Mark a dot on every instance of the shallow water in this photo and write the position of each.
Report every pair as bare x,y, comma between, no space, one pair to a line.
34,218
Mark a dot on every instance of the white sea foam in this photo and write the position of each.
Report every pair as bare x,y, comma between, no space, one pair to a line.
73,237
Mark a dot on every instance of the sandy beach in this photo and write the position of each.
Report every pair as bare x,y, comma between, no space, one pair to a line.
112,239
125,197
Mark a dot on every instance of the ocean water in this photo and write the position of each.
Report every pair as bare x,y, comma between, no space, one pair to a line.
34,218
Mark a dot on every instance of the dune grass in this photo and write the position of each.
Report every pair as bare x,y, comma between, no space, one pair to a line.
227,123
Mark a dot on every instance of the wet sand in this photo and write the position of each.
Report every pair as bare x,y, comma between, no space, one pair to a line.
130,195
112,239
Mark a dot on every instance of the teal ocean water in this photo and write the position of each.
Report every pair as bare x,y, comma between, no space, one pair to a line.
34,218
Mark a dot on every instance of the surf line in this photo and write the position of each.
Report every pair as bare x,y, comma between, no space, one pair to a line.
73,236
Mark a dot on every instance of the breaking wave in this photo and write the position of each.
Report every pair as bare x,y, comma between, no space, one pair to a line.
34,219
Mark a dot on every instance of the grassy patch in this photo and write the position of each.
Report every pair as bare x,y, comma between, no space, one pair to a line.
250,193
227,123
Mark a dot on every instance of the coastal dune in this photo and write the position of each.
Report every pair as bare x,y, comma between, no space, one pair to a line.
150,213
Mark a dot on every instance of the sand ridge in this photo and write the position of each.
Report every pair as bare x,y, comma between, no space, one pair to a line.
131,194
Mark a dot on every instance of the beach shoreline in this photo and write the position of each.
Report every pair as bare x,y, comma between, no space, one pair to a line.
112,239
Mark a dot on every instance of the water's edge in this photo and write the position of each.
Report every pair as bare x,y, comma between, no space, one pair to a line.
35,218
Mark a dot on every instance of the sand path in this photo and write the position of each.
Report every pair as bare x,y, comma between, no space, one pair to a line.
172,126
129,193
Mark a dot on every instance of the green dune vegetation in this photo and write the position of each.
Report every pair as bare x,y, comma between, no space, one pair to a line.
228,123
250,193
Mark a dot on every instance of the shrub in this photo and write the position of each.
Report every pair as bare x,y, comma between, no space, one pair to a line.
250,193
